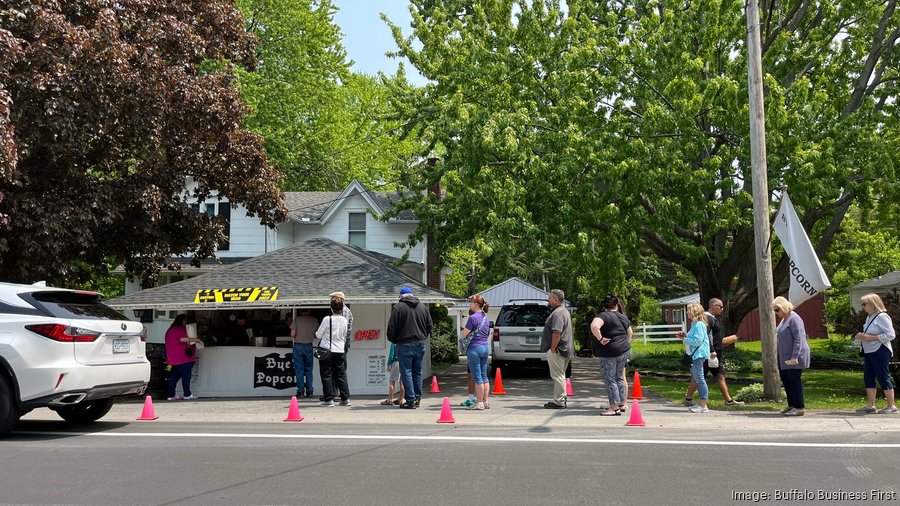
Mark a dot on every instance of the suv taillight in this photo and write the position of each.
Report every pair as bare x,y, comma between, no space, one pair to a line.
496,335
144,334
64,333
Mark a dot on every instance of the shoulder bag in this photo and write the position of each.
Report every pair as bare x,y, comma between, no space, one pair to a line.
324,353
464,342
862,352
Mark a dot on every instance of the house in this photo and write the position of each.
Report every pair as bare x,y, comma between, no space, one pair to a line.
879,284
347,217
812,312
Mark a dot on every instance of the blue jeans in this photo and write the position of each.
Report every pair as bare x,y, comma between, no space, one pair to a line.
478,359
613,371
303,368
877,365
181,372
700,377
411,355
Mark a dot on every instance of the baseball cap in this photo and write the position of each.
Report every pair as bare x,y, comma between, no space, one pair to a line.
339,295
406,290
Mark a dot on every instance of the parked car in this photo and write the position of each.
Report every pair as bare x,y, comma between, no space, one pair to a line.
516,339
67,351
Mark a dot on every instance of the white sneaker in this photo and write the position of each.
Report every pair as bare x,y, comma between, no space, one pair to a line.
327,404
191,397
696,408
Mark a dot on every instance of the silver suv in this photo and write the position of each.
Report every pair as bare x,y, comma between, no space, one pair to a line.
517,333
65,350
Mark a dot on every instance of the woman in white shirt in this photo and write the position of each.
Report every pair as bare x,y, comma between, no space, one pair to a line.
331,335
876,337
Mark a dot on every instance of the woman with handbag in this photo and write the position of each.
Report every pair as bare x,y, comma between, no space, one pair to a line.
876,337
697,344
612,332
793,355
181,355
475,344
329,350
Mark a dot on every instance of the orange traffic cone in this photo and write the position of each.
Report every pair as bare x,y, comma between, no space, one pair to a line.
636,392
446,414
294,411
498,384
569,391
147,413
434,385
636,419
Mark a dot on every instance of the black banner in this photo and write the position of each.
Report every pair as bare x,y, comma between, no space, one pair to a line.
274,371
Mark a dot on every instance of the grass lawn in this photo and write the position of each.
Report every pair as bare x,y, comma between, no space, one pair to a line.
829,390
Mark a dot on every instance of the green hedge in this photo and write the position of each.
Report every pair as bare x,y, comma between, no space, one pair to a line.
444,348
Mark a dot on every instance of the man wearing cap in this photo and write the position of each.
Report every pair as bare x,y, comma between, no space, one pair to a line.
409,327
349,316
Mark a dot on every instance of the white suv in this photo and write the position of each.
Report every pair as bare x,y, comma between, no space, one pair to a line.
65,350
517,333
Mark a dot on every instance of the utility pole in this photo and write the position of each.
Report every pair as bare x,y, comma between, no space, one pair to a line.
761,229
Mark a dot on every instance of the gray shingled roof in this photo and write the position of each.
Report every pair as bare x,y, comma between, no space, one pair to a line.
680,301
304,273
890,279
310,206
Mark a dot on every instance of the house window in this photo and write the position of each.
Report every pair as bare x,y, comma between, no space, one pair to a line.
357,230
223,210
667,316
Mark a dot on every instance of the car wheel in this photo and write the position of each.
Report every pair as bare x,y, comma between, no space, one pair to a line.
85,412
9,415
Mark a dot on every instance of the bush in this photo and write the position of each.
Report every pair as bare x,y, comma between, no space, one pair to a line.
663,361
444,348
753,393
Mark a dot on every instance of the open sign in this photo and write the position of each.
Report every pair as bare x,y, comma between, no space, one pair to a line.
366,335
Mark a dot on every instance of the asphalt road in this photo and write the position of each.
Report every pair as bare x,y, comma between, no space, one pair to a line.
45,462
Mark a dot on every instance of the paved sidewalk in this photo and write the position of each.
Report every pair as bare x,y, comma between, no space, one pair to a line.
521,407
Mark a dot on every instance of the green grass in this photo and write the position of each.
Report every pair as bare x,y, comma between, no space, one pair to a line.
824,389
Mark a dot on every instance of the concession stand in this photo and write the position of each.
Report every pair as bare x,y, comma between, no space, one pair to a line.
240,314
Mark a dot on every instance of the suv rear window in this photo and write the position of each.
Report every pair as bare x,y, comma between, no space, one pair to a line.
530,315
83,306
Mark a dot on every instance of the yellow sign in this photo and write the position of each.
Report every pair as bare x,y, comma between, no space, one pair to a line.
237,294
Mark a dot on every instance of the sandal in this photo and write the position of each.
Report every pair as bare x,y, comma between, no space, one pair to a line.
387,402
611,412
623,407
397,402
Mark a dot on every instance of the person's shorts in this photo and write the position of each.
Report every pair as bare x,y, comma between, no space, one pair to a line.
395,372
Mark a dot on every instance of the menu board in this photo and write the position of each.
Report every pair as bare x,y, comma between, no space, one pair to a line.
375,370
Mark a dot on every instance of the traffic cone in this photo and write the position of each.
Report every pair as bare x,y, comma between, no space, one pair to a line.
434,385
636,419
147,413
294,411
498,384
569,391
446,414
636,392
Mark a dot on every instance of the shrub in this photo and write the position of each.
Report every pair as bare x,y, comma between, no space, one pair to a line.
444,348
753,393
663,361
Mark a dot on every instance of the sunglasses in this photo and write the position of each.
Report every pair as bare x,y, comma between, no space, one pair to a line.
777,309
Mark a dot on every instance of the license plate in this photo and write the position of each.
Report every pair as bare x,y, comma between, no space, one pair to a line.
121,345
531,340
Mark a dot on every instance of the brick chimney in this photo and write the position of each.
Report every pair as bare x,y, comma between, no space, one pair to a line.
433,258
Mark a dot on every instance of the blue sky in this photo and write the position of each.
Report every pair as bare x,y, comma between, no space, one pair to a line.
367,37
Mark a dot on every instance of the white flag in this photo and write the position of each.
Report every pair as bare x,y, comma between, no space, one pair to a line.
807,276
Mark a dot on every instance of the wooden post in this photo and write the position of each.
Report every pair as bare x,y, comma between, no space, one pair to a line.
760,188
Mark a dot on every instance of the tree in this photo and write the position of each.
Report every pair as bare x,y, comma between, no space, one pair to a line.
115,106
323,125
573,136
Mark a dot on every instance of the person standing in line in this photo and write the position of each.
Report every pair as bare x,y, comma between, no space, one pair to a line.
715,309
303,330
793,354
612,332
393,368
471,400
697,343
349,316
181,355
556,342
876,337
331,335
409,327
477,352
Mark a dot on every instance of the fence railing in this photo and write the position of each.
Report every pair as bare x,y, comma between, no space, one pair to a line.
668,332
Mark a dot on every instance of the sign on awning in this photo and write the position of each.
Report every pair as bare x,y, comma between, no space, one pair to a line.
237,294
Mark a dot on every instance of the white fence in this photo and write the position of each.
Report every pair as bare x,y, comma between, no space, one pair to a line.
669,332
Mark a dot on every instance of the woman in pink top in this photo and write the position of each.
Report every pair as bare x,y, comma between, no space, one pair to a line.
180,353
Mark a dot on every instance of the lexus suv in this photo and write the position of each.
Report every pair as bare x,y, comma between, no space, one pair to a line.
517,333
65,350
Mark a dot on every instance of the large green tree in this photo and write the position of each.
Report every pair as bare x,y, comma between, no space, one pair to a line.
570,136
107,110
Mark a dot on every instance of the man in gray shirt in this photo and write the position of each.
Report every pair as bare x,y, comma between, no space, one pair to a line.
557,343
